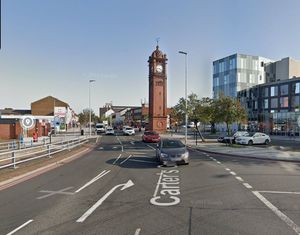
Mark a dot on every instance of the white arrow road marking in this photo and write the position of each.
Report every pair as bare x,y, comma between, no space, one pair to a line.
117,159
103,173
20,227
101,200
277,212
51,193
125,159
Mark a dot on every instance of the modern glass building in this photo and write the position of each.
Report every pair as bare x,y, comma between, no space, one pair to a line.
237,72
273,107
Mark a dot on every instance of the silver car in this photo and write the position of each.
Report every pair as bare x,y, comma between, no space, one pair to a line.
171,152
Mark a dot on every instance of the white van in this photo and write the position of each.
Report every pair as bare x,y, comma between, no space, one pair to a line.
100,128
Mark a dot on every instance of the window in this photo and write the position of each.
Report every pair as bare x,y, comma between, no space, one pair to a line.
295,102
284,89
266,92
274,103
251,78
274,90
297,90
226,79
266,103
255,65
232,62
284,102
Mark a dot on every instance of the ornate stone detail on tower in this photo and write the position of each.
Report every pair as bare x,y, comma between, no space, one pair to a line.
158,91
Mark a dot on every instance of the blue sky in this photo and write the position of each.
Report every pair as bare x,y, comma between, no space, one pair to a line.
53,47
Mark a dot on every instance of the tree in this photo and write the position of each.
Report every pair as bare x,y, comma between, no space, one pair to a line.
84,116
228,110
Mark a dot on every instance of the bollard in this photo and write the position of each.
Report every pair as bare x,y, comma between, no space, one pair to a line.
49,151
13,156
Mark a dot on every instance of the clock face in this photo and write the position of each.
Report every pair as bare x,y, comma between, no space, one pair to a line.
159,68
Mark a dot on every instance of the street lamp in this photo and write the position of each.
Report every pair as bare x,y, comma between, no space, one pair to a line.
90,119
186,115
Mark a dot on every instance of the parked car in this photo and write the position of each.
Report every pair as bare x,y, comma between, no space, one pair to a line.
151,136
172,151
128,131
109,131
232,139
256,138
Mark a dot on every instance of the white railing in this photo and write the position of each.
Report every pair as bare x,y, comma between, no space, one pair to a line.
15,157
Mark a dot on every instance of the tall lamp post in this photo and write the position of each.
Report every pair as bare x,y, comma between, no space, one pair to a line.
90,118
186,115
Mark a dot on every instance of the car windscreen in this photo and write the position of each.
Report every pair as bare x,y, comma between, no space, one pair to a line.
128,128
150,133
172,144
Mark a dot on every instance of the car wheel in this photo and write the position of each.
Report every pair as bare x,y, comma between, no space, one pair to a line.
250,142
267,142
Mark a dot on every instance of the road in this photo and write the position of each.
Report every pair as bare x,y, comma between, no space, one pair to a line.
118,188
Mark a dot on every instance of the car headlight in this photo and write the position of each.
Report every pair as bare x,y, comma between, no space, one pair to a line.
185,155
163,155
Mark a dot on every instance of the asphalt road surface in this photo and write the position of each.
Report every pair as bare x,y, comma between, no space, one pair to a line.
118,188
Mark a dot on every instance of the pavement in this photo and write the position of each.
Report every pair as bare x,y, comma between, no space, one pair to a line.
280,153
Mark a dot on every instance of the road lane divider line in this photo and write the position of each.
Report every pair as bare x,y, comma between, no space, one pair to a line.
151,147
233,173
227,169
277,212
117,159
125,159
279,192
132,142
219,162
137,232
103,173
247,185
20,227
158,183
120,142
239,178
128,184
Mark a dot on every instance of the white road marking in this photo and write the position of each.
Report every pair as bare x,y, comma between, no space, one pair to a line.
233,173
114,147
158,183
120,143
132,142
51,193
239,178
137,232
277,212
218,162
279,192
20,227
103,173
247,185
136,160
125,159
151,147
227,169
128,184
117,159
101,148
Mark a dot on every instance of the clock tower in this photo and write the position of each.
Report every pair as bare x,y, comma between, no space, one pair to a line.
158,91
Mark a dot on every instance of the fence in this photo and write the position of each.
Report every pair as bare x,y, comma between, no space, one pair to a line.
15,157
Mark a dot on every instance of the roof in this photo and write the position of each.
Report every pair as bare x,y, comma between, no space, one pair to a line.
50,97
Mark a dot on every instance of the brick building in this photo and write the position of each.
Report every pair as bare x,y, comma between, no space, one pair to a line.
45,106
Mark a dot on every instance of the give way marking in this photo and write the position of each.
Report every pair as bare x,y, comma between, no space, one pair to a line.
128,184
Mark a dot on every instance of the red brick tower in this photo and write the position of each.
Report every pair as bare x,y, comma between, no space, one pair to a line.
158,91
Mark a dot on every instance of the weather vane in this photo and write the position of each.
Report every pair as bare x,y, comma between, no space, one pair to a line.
157,41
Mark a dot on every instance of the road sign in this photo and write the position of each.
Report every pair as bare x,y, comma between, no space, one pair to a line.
27,122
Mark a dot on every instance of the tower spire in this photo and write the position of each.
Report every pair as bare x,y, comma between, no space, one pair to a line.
157,41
